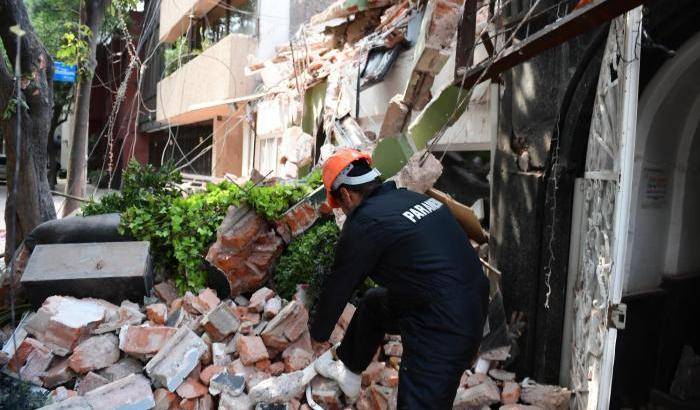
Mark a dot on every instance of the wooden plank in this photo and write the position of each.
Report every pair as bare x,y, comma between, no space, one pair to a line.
577,22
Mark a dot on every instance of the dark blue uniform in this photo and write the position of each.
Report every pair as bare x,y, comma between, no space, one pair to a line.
432,291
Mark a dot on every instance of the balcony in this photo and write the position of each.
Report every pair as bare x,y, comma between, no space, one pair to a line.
176,16
216,75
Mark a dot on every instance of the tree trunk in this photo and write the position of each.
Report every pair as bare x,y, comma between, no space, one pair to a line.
77,161
33,203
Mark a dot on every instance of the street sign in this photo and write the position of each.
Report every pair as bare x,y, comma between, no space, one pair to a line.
64,73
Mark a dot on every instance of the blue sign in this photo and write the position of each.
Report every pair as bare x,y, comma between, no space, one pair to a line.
64,73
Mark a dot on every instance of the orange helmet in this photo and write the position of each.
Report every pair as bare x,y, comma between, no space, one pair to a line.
336,168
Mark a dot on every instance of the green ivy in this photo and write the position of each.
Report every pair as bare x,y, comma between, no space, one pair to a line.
306,255
181,228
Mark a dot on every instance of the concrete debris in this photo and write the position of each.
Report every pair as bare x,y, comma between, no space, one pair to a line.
127,314
178,357
95,353
278,389
326,393
242,402
67,322
228,384
132,392
419,174
71,403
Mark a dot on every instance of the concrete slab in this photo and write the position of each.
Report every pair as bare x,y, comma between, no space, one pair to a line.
113,271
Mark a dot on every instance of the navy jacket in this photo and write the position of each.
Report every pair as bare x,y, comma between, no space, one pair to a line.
406,242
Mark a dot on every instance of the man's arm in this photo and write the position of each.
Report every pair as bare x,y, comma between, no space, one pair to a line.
357,252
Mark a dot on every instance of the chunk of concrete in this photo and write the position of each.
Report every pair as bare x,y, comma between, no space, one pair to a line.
113,271
279,389
178,357
132,393
228,384
242,402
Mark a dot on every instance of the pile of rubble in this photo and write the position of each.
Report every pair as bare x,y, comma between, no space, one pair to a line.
199,352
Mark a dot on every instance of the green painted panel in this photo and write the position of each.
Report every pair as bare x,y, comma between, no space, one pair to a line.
313,107
435,115
390,155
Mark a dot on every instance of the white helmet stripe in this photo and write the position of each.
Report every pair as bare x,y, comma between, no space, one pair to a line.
343,178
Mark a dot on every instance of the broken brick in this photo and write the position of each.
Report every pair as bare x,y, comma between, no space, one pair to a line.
127,314
191,388
90,382
210,371
395,118
132,392
251,349
31,359
144,341
272,308
299,354
178,357
219,355
121,369
510,393
157,313
220,322
326,393
166,291
71,321
483,394
276,368
475,379
242,402
546,396
59,373
259,298
164,399
95,353
372,373
61,394
286,327
207,301
502,375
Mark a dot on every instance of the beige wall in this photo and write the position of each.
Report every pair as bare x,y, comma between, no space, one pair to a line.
227,155
215,75
175,16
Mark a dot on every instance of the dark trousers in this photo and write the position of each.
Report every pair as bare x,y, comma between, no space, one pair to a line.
439,343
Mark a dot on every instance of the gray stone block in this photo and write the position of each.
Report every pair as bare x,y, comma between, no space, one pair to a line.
113,271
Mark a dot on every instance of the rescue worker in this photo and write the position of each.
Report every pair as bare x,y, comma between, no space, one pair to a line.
432,290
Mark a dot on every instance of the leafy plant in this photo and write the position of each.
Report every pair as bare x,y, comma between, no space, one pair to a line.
73,47
11,107
306,255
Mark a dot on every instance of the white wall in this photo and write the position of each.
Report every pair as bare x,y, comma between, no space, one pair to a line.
664,232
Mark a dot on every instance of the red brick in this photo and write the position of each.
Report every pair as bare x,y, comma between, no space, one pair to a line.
166,291
95,353
144,341
510,393
157,313
61,393
389,377
272,308
326,393
126,314
277,368
221,322
475,379
71,321
372,373
30,350
90,382
165,400
286,327
299,354
258,299
191,388
209,372
251,349
58,373
207,300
